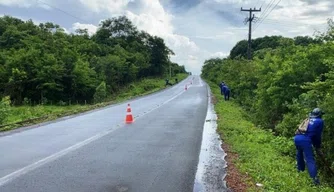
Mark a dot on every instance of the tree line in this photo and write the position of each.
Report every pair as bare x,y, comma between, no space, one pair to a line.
287,78
44,63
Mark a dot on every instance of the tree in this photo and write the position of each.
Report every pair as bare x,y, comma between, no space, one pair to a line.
4,109
285,81
42,62
101,92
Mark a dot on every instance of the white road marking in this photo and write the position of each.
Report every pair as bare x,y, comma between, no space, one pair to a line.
63,152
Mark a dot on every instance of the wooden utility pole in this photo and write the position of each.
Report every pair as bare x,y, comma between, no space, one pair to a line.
250,20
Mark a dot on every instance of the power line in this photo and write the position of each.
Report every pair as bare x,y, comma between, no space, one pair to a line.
267,15
272,9
266,9
250,20
62,11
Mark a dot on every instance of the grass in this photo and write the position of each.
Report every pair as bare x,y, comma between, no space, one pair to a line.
29,115
263,156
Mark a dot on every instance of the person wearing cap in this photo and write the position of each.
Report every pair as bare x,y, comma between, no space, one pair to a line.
226,92
304,140
221,85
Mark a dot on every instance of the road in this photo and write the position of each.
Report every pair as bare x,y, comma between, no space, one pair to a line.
97,151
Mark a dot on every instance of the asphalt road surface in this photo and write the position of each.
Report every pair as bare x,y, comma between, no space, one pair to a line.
98,152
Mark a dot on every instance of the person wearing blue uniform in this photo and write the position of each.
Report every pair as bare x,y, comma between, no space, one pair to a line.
226,91
221,85
304,142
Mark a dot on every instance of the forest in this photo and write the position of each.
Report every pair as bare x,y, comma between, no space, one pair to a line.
284,81
45,65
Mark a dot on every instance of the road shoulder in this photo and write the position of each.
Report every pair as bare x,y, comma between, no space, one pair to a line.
211,168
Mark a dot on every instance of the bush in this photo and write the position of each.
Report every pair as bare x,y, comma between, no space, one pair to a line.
263,156
4,109
100,93
61,103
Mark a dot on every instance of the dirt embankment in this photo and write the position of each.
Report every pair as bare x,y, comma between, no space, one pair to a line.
235,180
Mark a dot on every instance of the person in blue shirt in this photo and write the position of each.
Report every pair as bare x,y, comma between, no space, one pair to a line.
226,91
304,142
221,85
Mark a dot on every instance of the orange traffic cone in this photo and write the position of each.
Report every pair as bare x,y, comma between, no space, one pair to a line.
129,117
128,109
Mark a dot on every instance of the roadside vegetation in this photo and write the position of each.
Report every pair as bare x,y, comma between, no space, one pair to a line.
24,115
272,94
262,155
47,73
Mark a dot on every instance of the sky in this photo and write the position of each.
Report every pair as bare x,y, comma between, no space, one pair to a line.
196,30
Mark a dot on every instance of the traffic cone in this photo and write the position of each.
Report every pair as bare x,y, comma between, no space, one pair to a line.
129,117
128,109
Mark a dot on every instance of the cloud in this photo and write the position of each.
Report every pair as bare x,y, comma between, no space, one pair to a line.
177,6
315,2
66,31
91,28
112,6
219,54
21,3
154,19
25,3
191,57
194,29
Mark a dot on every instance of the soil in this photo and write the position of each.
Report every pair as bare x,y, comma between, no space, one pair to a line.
213,100
235,181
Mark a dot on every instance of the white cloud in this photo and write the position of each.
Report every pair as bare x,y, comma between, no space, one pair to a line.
191,57
152,18
66,31
219,54
91,28
151,24
25,3
112,6
155,20
22,3
210,28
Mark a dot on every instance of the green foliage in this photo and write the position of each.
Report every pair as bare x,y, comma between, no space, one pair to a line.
100,93
286,79
4,109
269,43
43,63
50,112
261,154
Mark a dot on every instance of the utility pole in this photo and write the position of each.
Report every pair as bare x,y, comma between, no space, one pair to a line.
250,20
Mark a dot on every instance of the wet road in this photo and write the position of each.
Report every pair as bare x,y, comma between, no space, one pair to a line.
96,151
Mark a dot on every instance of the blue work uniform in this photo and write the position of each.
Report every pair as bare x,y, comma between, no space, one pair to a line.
226,91
304,144
221,88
